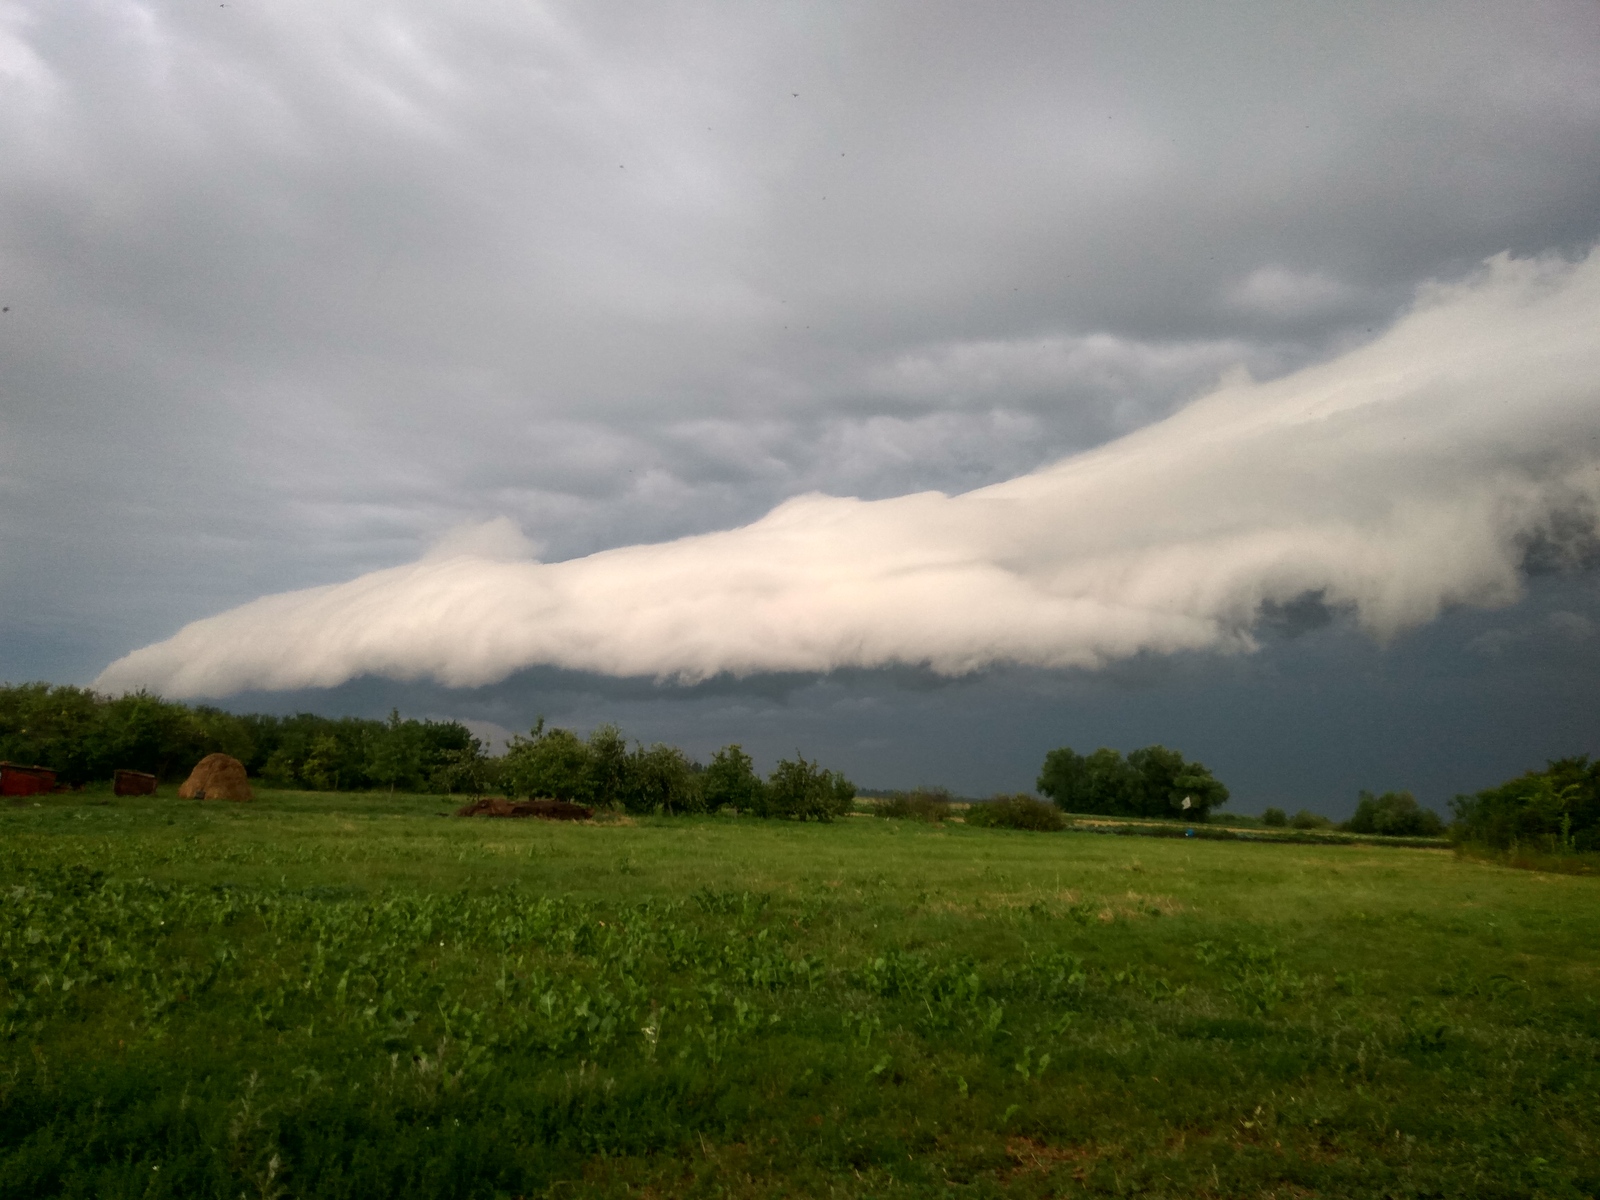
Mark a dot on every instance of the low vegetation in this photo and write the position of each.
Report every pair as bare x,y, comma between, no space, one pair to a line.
318,995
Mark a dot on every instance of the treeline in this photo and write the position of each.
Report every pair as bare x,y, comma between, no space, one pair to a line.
1393,814
84,736
1153,782
601,770
1555,811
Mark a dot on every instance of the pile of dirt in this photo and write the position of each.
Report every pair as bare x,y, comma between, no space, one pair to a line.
549,810
217,777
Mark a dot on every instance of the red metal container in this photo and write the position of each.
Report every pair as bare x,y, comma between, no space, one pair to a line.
25,781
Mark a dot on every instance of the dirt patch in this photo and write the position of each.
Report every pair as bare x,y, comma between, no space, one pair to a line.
546,810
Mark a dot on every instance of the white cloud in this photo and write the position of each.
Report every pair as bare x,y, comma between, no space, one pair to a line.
1397,479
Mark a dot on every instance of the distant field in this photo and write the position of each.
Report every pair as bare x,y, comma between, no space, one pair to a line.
349,996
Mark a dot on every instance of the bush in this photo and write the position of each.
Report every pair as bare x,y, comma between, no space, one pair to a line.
919,804
1020,811
1393,814
1152,782
1274,818
1306,819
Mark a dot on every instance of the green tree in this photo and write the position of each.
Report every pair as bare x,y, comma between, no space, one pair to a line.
661,779
1394,814
394,753
1167,786
550,763
731,781
804,791
610,766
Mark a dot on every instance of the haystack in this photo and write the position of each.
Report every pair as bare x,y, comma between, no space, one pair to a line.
217,777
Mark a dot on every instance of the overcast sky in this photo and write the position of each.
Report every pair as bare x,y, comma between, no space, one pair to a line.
302,292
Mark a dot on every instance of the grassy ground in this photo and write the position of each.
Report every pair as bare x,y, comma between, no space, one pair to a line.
350,996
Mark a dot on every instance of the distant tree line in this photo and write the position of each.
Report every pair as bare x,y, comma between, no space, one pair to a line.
1393,814
84,736
602,770
1152,782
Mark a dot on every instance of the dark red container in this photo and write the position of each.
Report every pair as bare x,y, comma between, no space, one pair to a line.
25,781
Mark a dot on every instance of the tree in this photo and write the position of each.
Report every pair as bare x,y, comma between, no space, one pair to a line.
1065,779
394,752
661,779
548,762
609,766
731,781
1394,814
1152,782
1167,786
803,790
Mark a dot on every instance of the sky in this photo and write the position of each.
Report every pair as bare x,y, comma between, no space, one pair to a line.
916,386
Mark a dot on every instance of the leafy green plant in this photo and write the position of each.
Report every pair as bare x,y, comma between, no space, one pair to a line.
919,804
1020,811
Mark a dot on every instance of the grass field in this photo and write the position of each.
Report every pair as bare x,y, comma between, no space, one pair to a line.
348,996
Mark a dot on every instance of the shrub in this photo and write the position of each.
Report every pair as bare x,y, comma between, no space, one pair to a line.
1020,811
1274,818
1306,819
1394,814
919,804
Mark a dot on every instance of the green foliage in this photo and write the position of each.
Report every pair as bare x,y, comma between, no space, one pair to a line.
730,781
1393,814
85,736
1306,819
1152,782
803,791
661,779
1556,810
1020,811
919,804
1274,818
550,763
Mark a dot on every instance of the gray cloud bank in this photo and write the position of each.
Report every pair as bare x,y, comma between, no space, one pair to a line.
1399,478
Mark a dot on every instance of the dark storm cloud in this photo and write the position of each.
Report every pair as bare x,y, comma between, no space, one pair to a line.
295,288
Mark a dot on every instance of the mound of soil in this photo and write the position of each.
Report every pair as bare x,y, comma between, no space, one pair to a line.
549,810
217,777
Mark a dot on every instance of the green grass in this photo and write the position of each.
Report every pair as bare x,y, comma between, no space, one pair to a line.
348,996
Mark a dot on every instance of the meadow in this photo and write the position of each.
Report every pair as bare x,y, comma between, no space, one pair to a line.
319,995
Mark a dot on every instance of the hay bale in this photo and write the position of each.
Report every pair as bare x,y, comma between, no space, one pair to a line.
217,777
132,783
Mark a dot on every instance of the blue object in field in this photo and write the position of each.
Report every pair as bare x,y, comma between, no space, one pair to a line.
1188,833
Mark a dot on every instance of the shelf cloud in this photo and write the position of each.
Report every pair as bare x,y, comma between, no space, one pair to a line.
1404,476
